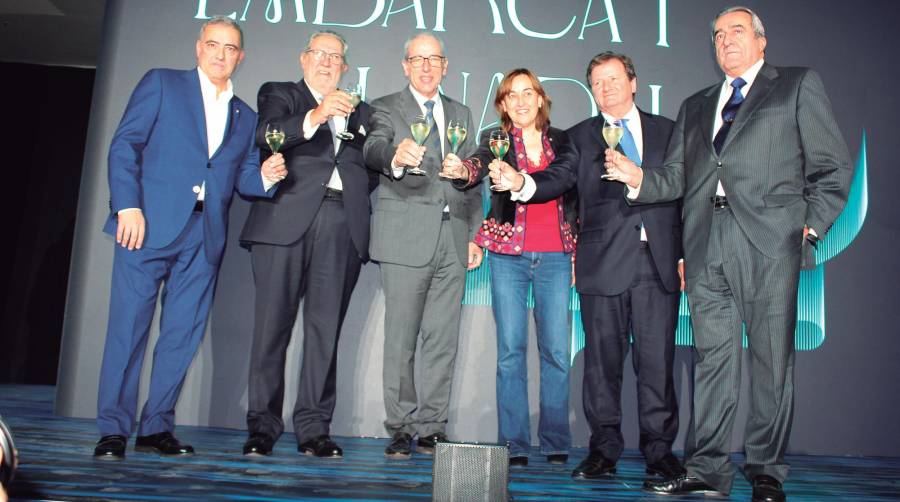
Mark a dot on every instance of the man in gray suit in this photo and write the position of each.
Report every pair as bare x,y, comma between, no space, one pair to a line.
421,234
764,172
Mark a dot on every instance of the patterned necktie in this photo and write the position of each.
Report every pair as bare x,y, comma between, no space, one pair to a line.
434,134
628,145
729,112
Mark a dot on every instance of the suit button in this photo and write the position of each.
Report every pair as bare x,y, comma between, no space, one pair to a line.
718,164
637,227
196,189
209,165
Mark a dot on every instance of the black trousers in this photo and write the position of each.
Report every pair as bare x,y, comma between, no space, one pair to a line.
649,313
321,268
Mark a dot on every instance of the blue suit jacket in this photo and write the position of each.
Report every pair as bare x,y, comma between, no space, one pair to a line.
159,156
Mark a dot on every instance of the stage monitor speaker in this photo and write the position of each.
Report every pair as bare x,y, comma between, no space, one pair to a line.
470,472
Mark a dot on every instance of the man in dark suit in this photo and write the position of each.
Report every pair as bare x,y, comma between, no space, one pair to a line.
422,231
312,237
764,172
184,144
627,273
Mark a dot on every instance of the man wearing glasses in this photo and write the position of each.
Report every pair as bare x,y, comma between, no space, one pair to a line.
312,237
422,230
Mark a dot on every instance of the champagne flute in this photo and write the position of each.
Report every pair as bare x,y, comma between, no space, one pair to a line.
456,133
499,144
420,128
274,137
612,134
355,97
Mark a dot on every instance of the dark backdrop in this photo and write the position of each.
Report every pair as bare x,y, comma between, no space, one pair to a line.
846,389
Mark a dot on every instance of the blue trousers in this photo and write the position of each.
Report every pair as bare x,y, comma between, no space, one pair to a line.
189,281
550,275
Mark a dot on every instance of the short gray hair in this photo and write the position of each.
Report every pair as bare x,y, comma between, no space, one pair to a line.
224,21
756,22
330,33
430,34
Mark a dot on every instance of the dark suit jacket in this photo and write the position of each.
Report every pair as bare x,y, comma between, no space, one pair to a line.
783,165
284,219
159,158
609,228
406,222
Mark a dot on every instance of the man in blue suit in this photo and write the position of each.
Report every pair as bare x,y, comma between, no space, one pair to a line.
184,144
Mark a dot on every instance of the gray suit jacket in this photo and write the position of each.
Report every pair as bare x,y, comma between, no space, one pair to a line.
783,165
407,215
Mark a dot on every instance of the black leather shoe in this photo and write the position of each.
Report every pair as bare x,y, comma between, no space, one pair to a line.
259,444
681,485
557,459
767,489
668,467
426,444
518,461
322,447
399,447
595,466
110,447
163,443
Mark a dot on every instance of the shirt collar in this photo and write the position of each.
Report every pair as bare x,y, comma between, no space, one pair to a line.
631,116
208,89
749,76
316,94
422,99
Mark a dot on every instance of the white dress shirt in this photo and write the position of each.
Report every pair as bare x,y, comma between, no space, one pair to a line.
339,124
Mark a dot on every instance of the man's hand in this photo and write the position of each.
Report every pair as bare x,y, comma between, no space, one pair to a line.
452,168
408,154
621,168
335,103
130,230
274,169
505,177
475,256
681,273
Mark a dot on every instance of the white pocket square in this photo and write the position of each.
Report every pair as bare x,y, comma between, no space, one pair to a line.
362,130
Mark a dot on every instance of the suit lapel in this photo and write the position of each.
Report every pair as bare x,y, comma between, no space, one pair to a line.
195,105
760,90
708,116
650,137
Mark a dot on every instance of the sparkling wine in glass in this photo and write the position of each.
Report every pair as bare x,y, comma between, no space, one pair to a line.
355,97
499,144
612,134
456,134
419,128
274,137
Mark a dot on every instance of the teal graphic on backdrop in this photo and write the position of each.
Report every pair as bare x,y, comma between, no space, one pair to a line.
810,332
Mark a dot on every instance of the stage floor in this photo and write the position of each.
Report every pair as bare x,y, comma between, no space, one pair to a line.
56,464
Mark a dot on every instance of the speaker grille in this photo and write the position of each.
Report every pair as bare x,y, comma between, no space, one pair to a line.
470,472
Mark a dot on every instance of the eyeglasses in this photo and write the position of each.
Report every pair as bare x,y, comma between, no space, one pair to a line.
418,61
319,55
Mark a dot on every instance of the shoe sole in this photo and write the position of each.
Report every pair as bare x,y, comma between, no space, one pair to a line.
706,493
150,449
425,449
398,456
313,454
110,458
605,475
256,454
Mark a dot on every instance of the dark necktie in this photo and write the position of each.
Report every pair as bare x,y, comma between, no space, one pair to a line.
434,134
729,112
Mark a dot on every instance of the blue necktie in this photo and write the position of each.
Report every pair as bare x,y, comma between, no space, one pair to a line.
729,112
628,145
434,134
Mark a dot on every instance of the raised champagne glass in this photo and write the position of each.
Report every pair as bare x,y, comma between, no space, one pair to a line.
420,128
499,144
355,97
612,134
274,137
456,134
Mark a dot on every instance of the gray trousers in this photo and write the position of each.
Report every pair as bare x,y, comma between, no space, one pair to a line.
428,300
740,284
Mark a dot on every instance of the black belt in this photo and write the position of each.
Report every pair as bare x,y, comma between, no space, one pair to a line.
445,216
198,206
719,201
331,193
